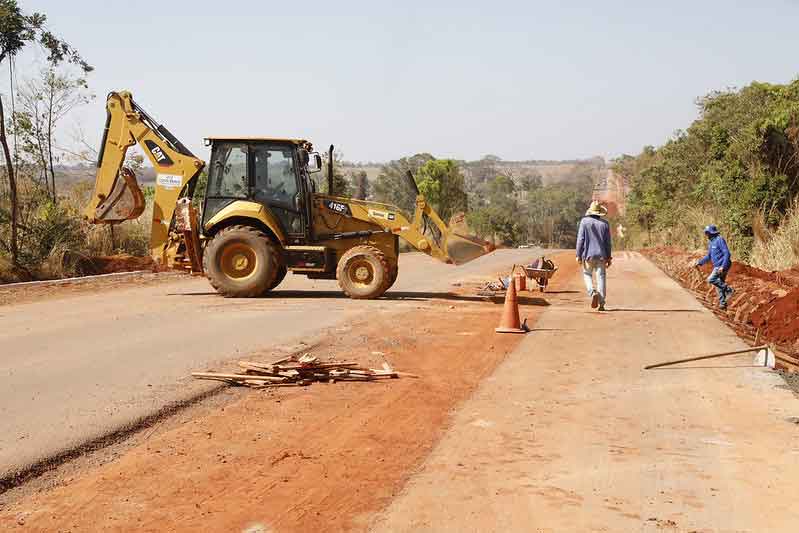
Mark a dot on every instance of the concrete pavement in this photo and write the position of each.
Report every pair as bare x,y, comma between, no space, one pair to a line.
571,434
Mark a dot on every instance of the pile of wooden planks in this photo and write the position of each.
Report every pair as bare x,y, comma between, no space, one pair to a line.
302,370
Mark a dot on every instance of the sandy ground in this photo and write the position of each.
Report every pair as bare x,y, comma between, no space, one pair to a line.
558,430
77,366
321,458
571,434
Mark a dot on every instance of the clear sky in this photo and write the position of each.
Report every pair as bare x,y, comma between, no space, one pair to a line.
381,80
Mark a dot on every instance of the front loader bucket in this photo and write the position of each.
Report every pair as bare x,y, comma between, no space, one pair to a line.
124,202
463,247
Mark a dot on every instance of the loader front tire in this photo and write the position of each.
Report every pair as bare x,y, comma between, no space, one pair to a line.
242,262
281,274
393,272
363,272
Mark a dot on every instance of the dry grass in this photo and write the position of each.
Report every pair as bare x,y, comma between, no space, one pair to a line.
777,249
56,242
8,274
683,230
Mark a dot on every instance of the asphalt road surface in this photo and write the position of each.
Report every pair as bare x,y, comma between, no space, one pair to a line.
77,368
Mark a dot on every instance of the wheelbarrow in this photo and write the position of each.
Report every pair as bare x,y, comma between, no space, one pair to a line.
541,271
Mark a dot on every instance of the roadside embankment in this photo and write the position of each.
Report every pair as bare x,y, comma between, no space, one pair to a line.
764,308
74,266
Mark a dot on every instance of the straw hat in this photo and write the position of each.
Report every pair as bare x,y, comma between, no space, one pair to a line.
596,209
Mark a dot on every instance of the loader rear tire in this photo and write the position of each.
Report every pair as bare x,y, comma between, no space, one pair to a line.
363,272
242,262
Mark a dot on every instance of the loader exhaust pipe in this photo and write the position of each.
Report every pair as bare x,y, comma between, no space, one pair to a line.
330,170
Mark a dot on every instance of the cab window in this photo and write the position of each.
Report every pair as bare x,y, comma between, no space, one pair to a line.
227,177
275,176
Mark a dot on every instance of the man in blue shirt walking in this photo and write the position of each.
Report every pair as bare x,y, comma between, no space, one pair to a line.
594,252
719,254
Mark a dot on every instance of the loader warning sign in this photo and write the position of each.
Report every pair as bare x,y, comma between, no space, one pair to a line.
169,181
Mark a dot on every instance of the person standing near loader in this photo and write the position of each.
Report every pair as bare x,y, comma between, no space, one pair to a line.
594,252
719,254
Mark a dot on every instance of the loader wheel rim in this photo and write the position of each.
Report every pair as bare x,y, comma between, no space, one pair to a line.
361,272
238,261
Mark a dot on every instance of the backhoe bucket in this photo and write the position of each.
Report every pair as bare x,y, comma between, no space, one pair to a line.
463,247
124,202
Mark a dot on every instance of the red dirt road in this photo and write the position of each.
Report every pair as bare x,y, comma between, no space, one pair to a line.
321,458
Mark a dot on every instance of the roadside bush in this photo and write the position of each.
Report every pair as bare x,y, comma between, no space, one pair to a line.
55,241
682,227
778,249
741,156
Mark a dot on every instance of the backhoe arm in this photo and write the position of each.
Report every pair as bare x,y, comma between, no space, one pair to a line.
429,234
117,196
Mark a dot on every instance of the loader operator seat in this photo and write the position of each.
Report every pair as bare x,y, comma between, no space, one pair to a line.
282,182
274,180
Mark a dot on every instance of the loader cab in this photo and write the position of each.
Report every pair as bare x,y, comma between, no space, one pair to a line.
270,172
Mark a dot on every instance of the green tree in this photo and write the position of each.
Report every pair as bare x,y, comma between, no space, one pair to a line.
498,215
501,189
360,183
17,30
341,185
391,185
442,184
530,182
738,160
44,102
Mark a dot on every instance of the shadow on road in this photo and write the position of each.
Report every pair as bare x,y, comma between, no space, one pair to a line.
705,367
392,295
564,292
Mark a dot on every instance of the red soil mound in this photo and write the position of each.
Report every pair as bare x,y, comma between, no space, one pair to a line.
118,263
780,321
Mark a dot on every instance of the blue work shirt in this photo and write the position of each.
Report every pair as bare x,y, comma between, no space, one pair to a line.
593,238
717,252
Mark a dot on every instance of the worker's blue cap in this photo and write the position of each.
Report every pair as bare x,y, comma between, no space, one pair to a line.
711,230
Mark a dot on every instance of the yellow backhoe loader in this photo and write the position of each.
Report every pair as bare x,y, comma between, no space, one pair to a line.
261,215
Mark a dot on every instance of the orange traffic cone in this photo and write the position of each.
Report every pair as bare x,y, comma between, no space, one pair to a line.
510,322
522,279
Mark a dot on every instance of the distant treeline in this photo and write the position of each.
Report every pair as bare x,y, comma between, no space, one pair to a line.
507,203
